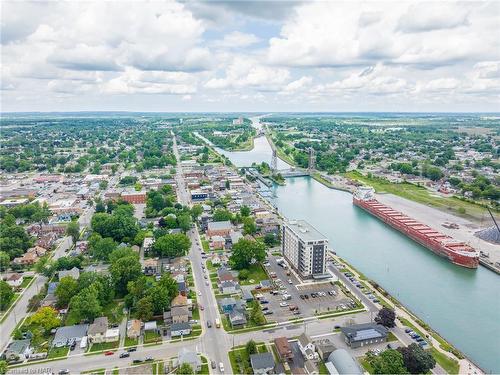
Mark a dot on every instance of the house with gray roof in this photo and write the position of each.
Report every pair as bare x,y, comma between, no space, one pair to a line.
180,329
18,350
364,334
180,314
237,318
66,335
307,347
262,363
74,273
97,330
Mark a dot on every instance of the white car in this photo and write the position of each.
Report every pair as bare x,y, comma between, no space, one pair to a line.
290,281
283,304
221,367
199,293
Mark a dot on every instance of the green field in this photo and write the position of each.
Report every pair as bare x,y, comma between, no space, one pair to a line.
104,346
450,365
422,195
255,276
58,352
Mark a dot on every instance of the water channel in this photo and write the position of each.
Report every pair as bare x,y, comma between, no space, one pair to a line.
462,305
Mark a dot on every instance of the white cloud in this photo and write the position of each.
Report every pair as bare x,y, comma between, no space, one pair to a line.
236,39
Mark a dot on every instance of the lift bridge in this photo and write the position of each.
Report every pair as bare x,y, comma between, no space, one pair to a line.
293,172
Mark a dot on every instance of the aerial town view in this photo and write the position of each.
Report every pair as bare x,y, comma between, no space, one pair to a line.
250,187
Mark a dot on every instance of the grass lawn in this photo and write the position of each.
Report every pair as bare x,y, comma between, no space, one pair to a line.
407,323
204,367
98,371
104,346
391,337
26,281
196,314
151,337
366,365
421,195
239,360
210,266
255,276
205,245
115,371
58,352
322,368
114,312
131,342
450,365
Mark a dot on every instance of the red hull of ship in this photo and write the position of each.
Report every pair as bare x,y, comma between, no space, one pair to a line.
456,252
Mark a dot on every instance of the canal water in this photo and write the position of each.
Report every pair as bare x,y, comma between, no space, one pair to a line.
462,305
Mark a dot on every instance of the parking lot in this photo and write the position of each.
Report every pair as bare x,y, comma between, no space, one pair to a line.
290,299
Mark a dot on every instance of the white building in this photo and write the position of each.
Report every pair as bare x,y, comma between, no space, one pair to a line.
304,248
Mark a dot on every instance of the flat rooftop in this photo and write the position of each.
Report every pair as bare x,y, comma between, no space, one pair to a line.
305,231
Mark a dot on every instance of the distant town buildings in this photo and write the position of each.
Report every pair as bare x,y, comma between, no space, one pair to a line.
304,248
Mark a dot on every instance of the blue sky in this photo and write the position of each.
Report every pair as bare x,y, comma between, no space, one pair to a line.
250,56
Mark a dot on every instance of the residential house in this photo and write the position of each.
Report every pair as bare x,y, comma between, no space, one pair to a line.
73,273
134,328
237,318
229,287
177,315
150,326
229,304
183,288
15,280
307,347
151,266
364,334
324,347
180,329
67,334
112,334
262,363
284,349
234,237
311,367
18,350
217,242
97,330
50,299
191,358
182,300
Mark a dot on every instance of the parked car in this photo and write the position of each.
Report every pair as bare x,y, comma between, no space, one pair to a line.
134,349
109,352
209,324
124,355
213,364
148,359
63,372
137,361
283,304
221,367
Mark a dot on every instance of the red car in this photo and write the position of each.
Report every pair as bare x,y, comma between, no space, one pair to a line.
109,353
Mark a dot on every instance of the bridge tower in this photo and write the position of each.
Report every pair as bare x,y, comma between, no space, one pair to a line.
274,161
312,160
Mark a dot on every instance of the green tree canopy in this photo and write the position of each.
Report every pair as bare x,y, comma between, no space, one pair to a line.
416,359
388,362
172,245
65,290
245,252
6,294
124,270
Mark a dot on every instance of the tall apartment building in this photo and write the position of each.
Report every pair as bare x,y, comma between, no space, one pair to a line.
304,248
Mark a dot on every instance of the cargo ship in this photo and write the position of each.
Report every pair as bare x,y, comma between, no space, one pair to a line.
455,251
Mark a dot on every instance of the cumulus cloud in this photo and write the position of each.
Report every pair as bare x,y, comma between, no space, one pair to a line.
196,53
236,39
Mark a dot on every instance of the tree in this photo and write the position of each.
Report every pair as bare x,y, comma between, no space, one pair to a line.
416,359
73,230
249,226
222,215
172,245
251,347
102,248
386,317
85,305
390,361
65,290
124,270
145,308
6,294
185,369
245,252
13,238
243,274
122,252
270,239
45,317
256,314
4,261
196,211
245,211
184,222
100,207
3,367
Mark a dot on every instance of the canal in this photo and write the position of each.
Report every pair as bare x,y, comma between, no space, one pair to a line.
462,305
